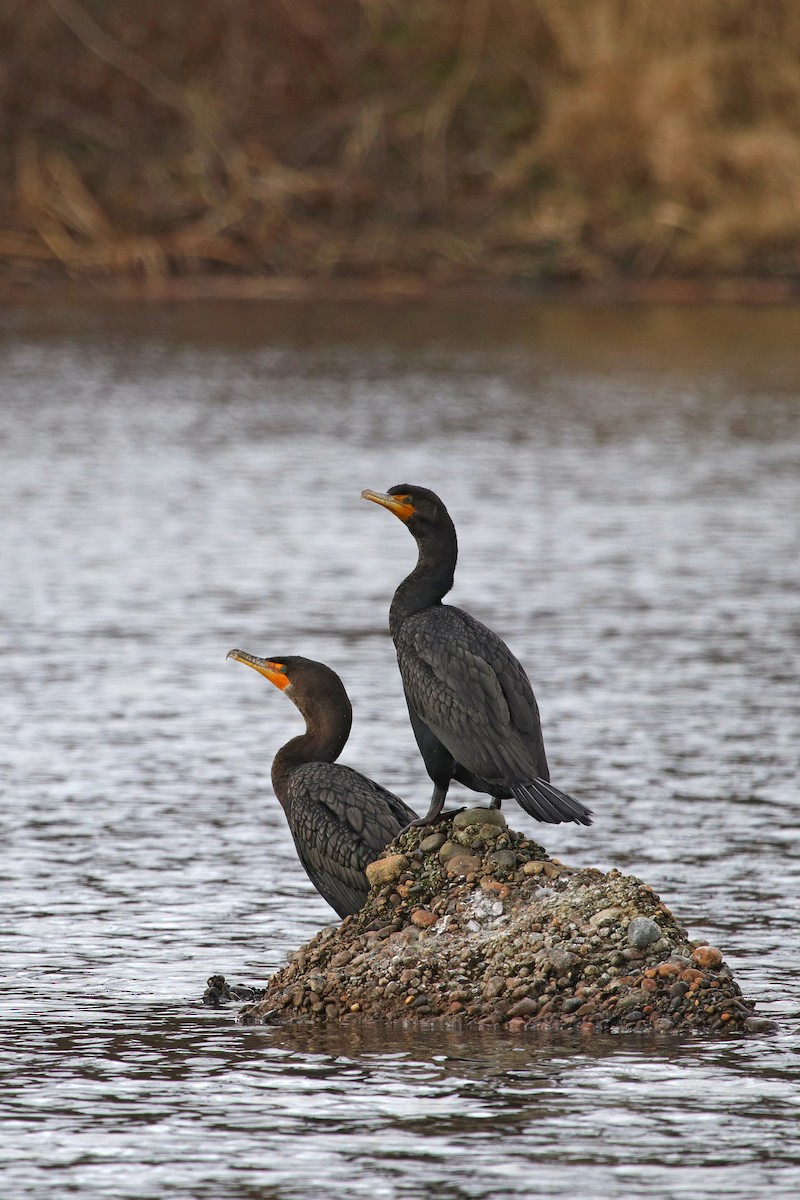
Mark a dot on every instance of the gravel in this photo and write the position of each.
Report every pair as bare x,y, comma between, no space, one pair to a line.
473,924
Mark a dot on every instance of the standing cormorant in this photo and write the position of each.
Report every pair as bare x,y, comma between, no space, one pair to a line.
471,704
340,820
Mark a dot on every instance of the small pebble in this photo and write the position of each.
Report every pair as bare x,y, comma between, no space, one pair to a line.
707,957
432,843
523,1008
631,999
386,870
479,816
501,890
606,916
642,932
463,864
501,858
423,918
562,960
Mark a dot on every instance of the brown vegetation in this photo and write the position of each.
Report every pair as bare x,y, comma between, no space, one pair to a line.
568,139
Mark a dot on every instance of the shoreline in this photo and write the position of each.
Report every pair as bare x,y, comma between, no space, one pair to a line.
750,291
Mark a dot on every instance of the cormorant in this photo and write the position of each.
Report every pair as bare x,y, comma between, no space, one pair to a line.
471,704
340,820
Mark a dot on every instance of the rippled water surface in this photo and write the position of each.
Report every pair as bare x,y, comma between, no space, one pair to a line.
175,482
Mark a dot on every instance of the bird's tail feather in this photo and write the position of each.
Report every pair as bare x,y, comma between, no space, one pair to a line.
546,803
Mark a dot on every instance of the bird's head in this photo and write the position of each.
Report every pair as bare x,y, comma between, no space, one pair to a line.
311,686
417,507
277,670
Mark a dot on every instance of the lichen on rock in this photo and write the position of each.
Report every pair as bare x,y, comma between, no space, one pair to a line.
474,924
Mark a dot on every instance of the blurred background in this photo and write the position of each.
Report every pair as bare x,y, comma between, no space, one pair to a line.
468,139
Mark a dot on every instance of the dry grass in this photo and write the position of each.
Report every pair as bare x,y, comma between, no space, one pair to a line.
464,139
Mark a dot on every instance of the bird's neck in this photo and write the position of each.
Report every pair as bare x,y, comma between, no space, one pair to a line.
327,730
431,579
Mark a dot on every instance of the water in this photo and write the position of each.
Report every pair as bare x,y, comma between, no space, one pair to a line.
178,481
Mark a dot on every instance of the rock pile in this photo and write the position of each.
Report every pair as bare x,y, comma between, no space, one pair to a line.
472,923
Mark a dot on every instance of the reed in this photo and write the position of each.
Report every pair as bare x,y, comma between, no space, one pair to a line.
462,139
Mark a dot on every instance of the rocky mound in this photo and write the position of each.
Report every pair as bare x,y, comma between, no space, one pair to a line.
472,923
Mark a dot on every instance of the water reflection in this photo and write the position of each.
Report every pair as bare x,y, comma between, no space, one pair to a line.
422,1109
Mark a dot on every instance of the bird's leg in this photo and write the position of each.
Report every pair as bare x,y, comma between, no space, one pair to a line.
496,802
433,813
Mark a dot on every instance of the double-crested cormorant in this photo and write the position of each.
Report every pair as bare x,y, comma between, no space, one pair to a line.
471,704
340,820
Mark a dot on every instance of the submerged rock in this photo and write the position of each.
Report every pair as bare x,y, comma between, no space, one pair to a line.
499,934
219,992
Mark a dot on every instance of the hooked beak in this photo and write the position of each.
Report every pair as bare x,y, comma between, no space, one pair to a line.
401,506
275,672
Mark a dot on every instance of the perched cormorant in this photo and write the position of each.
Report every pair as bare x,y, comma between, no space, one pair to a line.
471,704
340,820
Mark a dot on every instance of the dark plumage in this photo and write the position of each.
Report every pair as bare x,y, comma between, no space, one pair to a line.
340,820
471,704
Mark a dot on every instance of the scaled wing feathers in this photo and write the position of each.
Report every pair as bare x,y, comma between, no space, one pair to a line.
472,693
